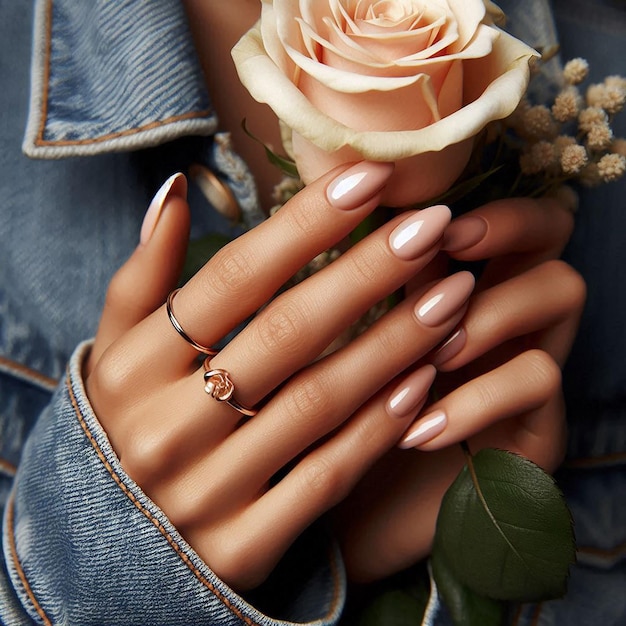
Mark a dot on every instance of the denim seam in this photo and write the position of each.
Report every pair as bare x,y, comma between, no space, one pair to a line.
19,568
591,462
237,612
7,467
42,84
27,374
603,552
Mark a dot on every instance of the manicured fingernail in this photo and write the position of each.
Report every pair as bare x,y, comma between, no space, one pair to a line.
419,232
450,348
175,185
358,184
445,299
464,232
408,397
425,430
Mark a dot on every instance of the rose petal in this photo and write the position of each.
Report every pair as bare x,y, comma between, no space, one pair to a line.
495,86
468,15
408,108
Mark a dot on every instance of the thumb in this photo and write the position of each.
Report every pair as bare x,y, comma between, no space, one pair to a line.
141,285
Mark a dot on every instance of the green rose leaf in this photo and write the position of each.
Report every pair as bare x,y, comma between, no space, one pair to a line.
466,607
505,530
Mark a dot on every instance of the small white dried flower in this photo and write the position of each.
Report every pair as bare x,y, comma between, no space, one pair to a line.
619,146
614,100
591,116
537,122
610,98
595,95
573,159
611,167
575,71
615,81
567,105
599,136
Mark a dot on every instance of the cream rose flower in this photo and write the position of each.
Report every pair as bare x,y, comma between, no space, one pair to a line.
410,81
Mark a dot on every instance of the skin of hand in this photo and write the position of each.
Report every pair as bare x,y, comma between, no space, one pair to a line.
499,385
146,384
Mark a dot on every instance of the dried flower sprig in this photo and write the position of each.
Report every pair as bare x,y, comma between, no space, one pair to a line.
571,140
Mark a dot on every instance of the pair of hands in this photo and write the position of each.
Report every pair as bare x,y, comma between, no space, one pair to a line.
330,426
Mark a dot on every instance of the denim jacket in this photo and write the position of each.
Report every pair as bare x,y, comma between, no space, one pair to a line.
115,104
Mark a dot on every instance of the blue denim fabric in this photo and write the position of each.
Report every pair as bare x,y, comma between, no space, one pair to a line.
81,543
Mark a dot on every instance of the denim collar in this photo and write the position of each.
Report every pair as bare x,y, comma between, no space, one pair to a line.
110,76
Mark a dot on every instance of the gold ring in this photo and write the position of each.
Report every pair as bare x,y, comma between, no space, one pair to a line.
179,329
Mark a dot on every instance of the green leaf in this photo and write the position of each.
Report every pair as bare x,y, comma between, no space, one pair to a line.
505,530
465,607
393,608
285,164
199,251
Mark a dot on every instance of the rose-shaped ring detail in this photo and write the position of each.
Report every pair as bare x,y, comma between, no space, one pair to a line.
179,329
219,385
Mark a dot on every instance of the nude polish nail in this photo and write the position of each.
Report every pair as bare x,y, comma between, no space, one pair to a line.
425,430
175,185
445,299
358,184
407,398
419,232
464,233
450,348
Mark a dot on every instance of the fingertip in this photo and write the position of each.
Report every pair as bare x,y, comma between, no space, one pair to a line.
174,187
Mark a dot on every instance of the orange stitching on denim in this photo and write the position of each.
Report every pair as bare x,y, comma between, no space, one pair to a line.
40,141
18,566
186,560
603,552
7,467
596,460
27,371
43,114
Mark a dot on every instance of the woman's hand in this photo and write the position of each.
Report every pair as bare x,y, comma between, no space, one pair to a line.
321,423
501,386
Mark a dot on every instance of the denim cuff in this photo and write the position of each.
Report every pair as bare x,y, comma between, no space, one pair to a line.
84,545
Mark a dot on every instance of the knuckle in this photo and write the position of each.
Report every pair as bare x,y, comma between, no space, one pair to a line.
118,290
487,393
232,270
109,381
306,220
309,399
542,370
322,481
231,560
140,456
282,327
364,265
